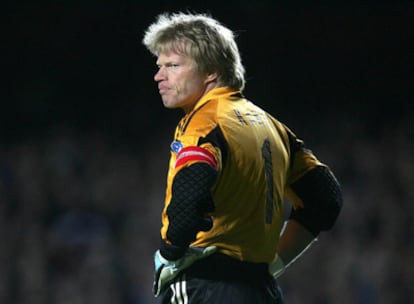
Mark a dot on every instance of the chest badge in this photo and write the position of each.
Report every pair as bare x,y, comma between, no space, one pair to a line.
176,146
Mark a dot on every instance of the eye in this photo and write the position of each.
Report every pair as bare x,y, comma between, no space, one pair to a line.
172,66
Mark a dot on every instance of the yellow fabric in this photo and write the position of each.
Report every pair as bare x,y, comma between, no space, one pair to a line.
239,227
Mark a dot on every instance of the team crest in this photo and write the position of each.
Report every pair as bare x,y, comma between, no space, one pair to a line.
176,146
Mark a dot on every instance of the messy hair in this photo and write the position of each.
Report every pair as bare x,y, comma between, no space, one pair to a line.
210,44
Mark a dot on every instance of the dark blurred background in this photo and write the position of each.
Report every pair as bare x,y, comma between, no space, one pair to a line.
84,143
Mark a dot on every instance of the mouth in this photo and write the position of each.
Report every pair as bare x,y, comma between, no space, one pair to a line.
162,89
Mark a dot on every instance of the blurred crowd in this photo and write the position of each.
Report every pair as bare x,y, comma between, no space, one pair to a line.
79,219
80,207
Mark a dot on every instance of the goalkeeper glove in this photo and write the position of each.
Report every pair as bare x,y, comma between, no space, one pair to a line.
166,271
277,267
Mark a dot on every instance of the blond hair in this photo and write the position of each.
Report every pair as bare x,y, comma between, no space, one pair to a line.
210,44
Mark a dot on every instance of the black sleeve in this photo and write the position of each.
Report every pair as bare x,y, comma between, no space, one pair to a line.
321,195
187,212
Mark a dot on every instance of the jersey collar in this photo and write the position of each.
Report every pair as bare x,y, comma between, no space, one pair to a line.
220,92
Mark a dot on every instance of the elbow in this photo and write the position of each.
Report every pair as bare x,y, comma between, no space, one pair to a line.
321,195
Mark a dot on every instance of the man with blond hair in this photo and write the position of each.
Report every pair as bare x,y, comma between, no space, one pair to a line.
224,238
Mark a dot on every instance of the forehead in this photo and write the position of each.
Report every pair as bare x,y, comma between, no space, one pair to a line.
173,56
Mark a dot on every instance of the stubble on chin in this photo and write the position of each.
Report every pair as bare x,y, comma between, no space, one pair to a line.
168,103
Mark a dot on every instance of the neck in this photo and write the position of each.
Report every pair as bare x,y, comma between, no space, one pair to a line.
210,86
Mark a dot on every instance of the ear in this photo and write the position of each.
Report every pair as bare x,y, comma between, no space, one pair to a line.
211,77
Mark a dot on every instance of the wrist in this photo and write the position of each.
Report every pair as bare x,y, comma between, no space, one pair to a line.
171,252
161,261
277,266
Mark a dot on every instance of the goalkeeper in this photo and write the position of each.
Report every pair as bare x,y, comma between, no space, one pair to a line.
224,238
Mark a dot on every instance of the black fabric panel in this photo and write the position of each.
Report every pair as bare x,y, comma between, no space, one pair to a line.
321,195
190,203
216,138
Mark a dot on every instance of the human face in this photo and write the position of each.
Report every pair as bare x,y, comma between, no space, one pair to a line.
180,83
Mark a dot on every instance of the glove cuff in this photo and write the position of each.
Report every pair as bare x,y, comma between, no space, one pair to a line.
171,252
161,260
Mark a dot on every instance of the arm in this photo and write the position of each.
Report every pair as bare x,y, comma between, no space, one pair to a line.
294,240
187,215
321,198
187,212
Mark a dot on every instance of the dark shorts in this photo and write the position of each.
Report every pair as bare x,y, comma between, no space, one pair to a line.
222,280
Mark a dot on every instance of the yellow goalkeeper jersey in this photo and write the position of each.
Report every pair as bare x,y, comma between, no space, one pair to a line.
257,158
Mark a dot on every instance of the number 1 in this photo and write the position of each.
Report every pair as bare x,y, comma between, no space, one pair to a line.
268,167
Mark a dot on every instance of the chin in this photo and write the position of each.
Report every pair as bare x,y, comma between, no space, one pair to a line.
170,106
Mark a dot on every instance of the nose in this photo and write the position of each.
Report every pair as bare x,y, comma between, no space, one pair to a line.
160,75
